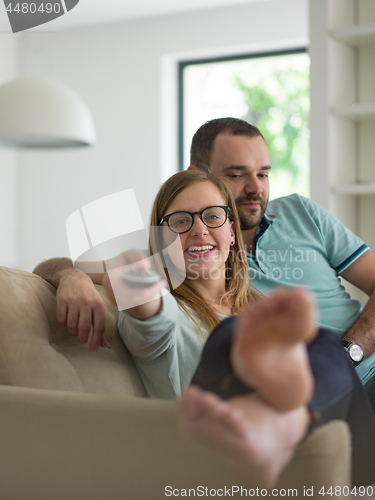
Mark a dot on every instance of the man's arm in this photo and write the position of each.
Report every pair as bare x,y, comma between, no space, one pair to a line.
78,304
362,275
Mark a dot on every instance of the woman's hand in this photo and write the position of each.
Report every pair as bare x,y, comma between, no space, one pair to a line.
142,303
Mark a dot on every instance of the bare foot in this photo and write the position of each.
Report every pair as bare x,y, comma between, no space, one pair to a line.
269,347
258,440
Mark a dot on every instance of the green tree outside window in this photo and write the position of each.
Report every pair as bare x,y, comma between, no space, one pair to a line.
271,92
278,104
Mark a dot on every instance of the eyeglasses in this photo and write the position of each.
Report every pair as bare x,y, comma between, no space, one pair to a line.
181,222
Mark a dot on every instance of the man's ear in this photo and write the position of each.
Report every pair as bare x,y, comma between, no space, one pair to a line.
192,167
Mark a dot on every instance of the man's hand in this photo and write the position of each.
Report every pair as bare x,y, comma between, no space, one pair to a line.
80,307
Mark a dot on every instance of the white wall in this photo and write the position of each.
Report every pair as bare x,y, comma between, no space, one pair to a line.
119,70
8,172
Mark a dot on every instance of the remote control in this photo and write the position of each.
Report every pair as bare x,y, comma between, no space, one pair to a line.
140,279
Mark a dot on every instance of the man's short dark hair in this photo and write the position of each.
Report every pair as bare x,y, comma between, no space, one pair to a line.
203,140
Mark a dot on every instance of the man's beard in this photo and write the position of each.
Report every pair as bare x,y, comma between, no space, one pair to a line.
250,218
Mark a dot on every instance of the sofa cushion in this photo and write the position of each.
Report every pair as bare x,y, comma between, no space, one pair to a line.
37,352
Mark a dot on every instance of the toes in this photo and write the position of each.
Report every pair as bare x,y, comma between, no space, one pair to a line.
235,423
191,403
299,301
196,403
201,408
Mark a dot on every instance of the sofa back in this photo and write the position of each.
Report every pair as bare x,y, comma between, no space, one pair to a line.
37,352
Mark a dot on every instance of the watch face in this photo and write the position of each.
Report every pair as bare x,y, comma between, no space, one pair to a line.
356,352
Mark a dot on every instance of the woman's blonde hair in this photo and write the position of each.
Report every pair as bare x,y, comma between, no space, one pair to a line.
236,273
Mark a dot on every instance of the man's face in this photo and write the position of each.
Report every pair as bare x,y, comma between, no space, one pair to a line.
245,162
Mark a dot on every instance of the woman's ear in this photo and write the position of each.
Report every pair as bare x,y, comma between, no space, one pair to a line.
233,230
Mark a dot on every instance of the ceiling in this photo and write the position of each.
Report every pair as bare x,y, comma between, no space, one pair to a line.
91,12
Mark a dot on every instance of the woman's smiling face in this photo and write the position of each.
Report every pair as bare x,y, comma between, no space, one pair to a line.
205,250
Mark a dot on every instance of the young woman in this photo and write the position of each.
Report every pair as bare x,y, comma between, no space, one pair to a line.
194,220
193,235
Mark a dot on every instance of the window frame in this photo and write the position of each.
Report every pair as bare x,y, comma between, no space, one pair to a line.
190,62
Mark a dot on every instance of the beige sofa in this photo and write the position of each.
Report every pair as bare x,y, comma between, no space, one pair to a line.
78,426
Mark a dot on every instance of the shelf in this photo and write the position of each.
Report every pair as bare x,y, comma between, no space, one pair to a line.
356,36
363,111
359,188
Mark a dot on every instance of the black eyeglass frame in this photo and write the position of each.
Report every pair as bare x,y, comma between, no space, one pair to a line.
167,217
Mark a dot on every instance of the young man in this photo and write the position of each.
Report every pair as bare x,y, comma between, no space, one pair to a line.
299,244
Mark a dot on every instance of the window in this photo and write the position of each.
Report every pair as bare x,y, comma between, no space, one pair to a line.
270,91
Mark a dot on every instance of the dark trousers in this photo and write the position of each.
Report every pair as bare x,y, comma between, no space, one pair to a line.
338,392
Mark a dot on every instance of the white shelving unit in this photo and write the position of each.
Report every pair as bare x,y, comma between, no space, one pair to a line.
356,188
356,36
358,112
342,121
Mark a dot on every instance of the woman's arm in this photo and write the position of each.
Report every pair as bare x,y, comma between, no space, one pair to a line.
153,346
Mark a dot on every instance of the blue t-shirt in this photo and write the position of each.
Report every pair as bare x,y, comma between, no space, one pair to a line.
304,245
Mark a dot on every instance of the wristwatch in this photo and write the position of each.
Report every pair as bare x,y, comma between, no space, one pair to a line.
354,351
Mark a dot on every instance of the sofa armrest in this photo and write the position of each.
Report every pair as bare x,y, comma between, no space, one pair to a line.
70,446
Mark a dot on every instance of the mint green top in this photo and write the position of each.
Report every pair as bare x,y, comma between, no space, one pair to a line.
166,348
304,245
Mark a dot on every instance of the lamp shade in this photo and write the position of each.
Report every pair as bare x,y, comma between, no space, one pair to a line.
42,113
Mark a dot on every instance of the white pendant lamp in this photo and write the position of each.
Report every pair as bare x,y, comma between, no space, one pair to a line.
41,113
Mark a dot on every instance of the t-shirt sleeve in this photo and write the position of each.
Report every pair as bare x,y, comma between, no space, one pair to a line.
149,339
152,344
343,247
